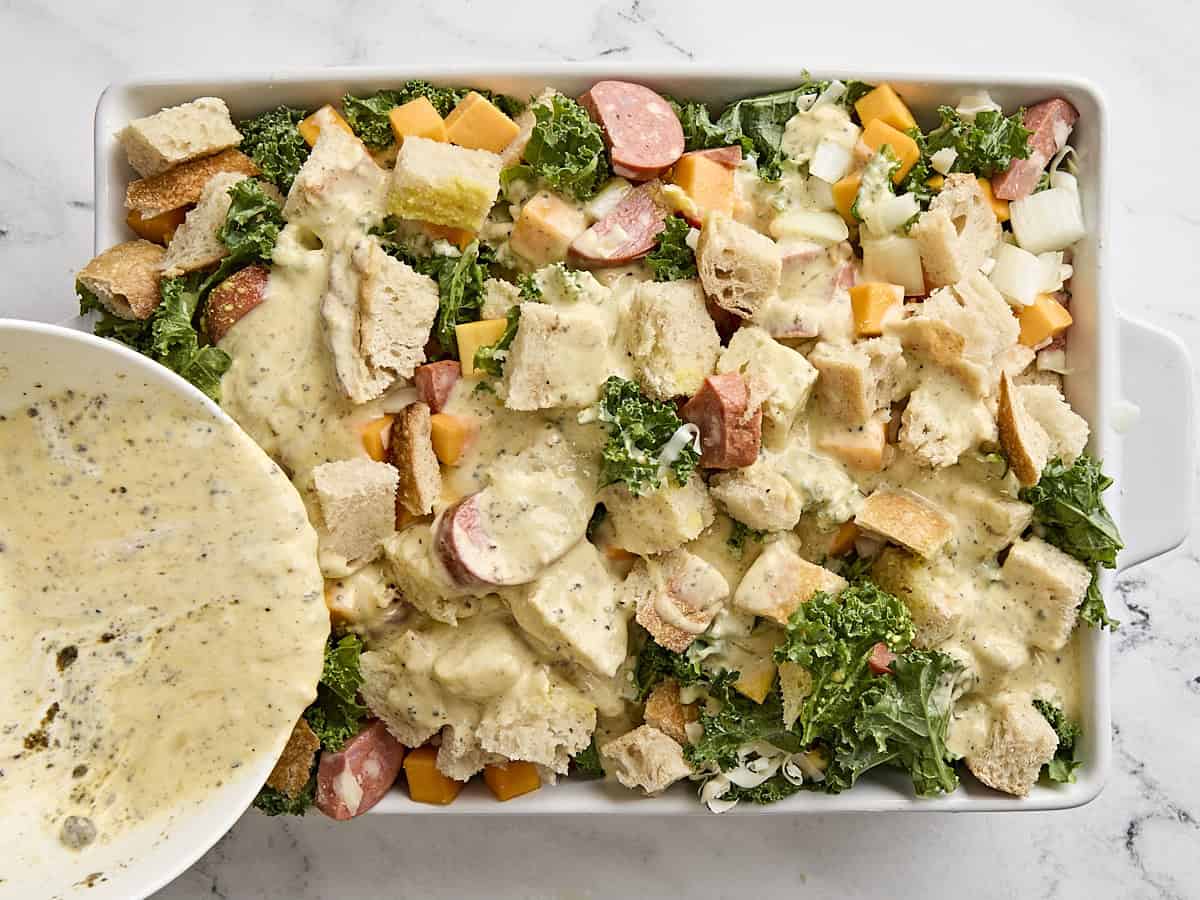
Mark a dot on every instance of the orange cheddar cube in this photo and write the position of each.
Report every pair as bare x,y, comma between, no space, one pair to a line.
459,237
936,182
310,128
425,783
417,118
708,183
512,780
845,192
451,436
869,303
159,229
1042,320
999,207
476,123
843,539
756,679
470,336
884,103
373,437
878,133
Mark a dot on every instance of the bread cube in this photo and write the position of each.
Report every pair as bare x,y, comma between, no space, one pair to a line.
672,340
739,267
646,758
358,507
780,580
906,518
171,136
557,359
1051,584
659,520
444,184
125,279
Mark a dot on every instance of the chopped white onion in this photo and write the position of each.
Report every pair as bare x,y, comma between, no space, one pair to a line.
971,105
803,761
693,730
1018,274
820,193
1055,272
890,213
896,260
987,265
830,161
685,435
608,198
1062,156
943,160
693,238
1053,361
832,94
817,225
1066,181
1048,220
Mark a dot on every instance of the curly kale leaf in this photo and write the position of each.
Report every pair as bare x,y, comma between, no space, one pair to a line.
586,763
133,333
738,535
638,427
490,358
1069,512
272,802
274,142
737,722
251,226
336,714
985,146
832,639
566,148
761,122
701,133
368,115
1062,767
656,663
672,259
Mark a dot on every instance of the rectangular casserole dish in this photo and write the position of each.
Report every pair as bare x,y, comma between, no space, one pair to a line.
1112,359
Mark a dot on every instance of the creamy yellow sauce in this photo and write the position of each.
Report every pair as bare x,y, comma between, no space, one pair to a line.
163,619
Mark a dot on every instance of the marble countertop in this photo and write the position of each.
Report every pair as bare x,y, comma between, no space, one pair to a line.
1139,839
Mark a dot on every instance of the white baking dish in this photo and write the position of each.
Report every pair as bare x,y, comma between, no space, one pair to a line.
1113,358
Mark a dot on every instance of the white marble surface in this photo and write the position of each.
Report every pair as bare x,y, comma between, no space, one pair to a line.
1140,839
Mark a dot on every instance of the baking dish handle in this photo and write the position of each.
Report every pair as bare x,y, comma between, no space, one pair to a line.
1158,455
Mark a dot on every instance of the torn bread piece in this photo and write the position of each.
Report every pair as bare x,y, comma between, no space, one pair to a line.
672,340
1037,425
358,506
1050,584
294,766
646,758
739,267
905,518
958,231
377,313
182,185
177,134
780,580
1020,742
197,243
676,596
410,452
125,279
668,713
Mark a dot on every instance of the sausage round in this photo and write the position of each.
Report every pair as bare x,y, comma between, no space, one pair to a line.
357,777
642,132
434,382
1049,124
730,431
627,233
233,298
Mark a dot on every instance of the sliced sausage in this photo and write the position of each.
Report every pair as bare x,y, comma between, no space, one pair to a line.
353,780
729,157
881,659
233,298
434,382
730,431
472,543
642,132
1049,124
627,233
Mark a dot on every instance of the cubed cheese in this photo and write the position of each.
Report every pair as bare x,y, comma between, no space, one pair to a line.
709,184
417,118
325,117
476,123
845,192
870,302
999,207
1042,320
884,103
473,335
878,133
545,229
451,435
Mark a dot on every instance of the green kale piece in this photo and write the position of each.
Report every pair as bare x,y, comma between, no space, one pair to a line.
1062,767
672,259
274,142
638,427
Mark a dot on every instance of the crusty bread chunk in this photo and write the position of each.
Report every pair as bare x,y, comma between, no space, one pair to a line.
672,340
444,184
739,267
906,518
358,506
294,766
125,278
944,419
760,496
780,378
1020,742
658,520
197,243
646,758
377,314
172,136
1050,585
781,579
666,712
422,579
339,185
499,296
410,451
558,357
676,595
1036,425
856,382
957,232
183,184
932,591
